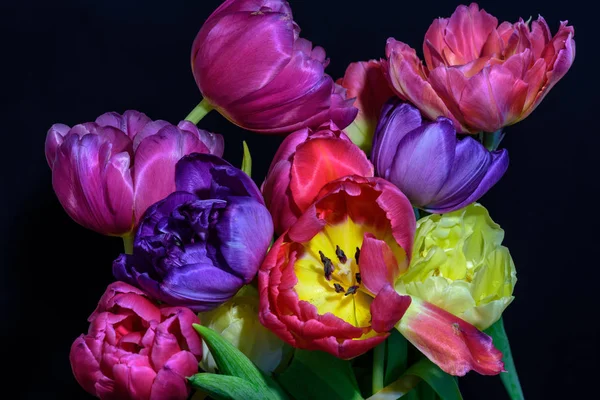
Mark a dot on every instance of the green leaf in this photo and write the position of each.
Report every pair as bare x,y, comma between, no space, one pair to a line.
396,357
225,387
443,384
318,375
510,379
229,359
247,160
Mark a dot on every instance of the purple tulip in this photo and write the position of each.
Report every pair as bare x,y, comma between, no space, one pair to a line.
201,244
435,170
107,173
251,65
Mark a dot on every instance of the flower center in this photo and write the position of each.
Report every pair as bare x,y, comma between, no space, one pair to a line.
328,272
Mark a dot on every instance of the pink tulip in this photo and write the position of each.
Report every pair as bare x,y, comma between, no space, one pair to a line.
251,65
135,349
305,162
107,173
365,81
480,75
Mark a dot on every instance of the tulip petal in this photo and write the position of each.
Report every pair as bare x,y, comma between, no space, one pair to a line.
170,382
213,141
54,139
319,161
387,308
378,266
424,160
229,57
392,128
454,345
85,366
471,164
434,43
244,231
496,170
278,200
131,381
131,122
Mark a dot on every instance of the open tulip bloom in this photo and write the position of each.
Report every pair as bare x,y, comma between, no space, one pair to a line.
362,257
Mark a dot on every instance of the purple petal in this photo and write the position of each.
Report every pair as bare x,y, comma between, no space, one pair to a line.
200,287
209,176
245,230
162,209
54,139
397,119
150,129
213,141
155,160
471,162
130,123
498,167
424,160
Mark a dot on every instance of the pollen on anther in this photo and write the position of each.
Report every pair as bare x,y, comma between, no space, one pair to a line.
338,288
351,290
340,254
327,265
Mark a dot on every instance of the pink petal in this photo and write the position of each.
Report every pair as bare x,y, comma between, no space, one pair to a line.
434,43
170,382
132,382
378,266
54,139
84,365
131,122
454,345
387,308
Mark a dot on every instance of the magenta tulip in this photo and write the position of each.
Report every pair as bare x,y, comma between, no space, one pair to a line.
107,173
251,65
135,349
480,75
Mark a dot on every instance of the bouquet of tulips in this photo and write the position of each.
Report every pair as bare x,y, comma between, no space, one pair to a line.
361,267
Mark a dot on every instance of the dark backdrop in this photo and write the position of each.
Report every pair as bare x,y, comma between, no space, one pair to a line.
70,61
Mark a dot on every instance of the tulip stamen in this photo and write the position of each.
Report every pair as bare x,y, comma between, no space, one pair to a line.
338,288
358,278
357,255
351,290
340,254
328,266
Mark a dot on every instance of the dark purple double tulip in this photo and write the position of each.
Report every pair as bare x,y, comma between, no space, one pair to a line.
438,172
201,244
251,65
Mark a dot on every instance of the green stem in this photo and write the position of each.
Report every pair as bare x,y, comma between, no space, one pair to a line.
203,108
491,140
510,379
378,363
128,243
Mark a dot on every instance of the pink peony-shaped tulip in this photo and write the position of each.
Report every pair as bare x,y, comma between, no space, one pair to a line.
107,173
481,75
251,65
135,349
305,162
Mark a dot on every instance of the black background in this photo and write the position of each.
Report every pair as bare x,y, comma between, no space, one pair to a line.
70,61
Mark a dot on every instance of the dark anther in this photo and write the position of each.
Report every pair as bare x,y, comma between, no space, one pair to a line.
338,288
357,254
351,290
328,266
358,277
340,254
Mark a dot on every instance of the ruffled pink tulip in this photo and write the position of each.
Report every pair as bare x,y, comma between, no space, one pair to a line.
135,349
305,162
365,81
251,65
107,173
480,75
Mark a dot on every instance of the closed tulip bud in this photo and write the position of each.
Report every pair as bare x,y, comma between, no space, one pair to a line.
237,321
460,266
306,161
251,65
481,75
108,172
425,159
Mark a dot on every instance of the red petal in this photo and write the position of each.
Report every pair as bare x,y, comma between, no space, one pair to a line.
388,308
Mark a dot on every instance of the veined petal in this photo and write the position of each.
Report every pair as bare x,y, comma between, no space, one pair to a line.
388,308
454,345
378,266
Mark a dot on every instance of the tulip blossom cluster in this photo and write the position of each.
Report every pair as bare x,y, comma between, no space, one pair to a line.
366,228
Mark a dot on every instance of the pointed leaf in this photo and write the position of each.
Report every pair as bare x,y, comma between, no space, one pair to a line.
229,359
510,379
247,160
318,375
224,387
